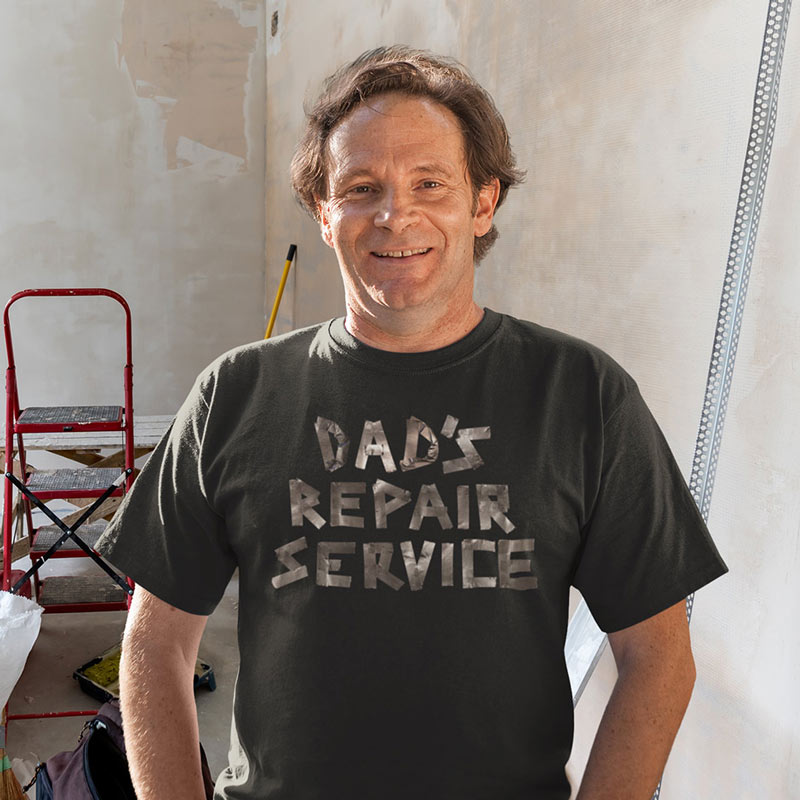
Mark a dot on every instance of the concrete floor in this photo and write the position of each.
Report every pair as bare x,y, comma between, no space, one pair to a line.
67,641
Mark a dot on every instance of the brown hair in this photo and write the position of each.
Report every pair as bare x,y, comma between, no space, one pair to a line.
402,69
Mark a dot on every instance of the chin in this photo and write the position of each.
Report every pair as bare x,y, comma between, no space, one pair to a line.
398,298
403,301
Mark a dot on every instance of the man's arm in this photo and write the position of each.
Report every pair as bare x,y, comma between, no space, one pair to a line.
159,651
656,677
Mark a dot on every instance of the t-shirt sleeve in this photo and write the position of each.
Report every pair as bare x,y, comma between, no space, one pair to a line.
645,546
165,534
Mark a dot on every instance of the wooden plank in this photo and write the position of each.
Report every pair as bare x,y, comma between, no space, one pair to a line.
147,432
104,511
19,549
17,469
87,456
116,459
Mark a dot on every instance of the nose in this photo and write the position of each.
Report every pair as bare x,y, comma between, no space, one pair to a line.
396,211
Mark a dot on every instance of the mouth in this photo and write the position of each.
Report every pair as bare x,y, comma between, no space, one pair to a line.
418,251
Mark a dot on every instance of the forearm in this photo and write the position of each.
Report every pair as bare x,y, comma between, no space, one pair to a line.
636,733
160,720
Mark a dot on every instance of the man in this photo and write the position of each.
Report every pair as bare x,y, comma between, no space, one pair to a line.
408,494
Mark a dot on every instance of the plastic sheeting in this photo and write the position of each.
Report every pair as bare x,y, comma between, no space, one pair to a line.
20,620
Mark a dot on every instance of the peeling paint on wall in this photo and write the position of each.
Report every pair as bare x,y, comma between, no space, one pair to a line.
97,113
215,161
247,12
192,58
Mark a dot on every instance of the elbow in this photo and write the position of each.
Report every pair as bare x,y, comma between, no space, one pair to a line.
671,675
678,678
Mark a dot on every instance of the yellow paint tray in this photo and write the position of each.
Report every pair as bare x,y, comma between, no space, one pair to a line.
99,677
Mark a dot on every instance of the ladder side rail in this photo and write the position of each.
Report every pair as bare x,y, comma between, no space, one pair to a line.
7,488
129,443
12,397
128,384
93,292
130,453
7,335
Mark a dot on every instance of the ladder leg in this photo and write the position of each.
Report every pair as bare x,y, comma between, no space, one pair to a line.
7,523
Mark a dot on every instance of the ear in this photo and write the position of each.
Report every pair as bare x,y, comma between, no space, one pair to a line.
487,201
324,223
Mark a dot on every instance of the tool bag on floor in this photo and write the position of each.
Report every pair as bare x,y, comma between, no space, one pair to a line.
97,769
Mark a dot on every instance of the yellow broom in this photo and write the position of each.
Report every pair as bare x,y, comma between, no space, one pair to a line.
273,316
10,788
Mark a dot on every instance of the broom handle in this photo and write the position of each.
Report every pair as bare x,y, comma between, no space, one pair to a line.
273,316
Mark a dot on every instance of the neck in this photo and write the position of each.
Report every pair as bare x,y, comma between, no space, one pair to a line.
412,330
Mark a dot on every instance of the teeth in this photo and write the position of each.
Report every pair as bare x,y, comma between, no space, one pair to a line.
402,253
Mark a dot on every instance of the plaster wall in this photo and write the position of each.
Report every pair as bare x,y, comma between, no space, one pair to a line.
132,154
632,122
132,158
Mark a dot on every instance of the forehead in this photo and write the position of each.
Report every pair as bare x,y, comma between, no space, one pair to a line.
395,130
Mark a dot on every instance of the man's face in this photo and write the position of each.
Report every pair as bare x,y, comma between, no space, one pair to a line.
400,212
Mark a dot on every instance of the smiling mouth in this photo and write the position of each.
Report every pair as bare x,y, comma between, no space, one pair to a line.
402,253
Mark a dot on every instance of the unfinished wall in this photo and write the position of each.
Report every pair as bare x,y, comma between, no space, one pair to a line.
131,157
632,121
742,732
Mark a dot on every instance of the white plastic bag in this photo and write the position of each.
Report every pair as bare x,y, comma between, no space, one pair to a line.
24,771
20,620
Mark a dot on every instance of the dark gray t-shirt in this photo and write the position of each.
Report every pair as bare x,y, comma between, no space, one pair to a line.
406,528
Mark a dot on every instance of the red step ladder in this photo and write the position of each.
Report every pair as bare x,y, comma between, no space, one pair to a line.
104,592
101,592
59,594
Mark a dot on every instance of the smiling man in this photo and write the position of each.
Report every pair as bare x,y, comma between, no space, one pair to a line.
408,520
402,216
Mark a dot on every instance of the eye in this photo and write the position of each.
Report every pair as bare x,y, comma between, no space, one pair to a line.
360,189
431,184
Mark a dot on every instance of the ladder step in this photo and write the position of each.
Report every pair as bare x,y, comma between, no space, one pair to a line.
46,536
69,415
63,590
73,480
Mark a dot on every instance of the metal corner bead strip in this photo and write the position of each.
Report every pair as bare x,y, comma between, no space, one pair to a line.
585,642
740,259
737,268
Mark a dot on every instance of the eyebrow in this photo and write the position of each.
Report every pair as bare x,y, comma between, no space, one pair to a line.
363,172
433,169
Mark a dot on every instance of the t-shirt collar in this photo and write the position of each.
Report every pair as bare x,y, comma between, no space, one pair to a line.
350,346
